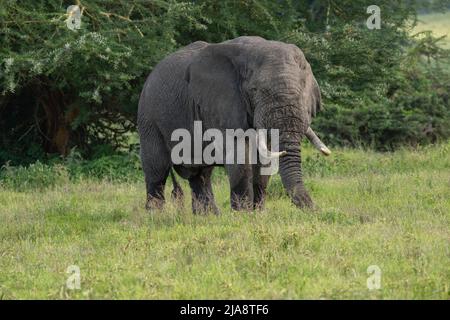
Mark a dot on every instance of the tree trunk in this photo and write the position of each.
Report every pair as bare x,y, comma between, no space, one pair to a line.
57,128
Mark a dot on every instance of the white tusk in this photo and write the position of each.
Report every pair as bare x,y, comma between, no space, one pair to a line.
315,140
262,147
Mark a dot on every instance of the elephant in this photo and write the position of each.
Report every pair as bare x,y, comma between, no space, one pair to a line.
247,82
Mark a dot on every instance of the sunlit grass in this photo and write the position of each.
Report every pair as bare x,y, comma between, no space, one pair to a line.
391,210
439,23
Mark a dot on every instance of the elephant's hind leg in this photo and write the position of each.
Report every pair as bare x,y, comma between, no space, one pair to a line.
156,164
202,194
155,193
177,192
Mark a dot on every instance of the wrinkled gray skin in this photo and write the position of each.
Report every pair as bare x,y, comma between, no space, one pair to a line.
247,82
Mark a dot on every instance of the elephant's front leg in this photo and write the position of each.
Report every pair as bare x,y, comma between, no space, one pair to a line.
260,183
202,194
241,186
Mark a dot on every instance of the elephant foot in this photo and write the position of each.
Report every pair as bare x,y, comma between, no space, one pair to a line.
177,194
241,203
204,208
154,204
302,199
258,206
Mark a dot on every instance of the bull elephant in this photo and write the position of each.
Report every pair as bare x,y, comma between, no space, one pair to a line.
247,82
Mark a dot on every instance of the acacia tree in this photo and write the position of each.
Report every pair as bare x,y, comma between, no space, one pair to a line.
381,88
61,88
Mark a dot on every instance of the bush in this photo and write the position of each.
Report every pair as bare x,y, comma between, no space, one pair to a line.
79,88
118,167
114,168
381,88
35,176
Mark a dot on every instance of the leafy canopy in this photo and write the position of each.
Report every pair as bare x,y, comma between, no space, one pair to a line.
63,88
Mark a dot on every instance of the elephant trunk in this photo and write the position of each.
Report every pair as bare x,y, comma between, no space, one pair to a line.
292,128
291,175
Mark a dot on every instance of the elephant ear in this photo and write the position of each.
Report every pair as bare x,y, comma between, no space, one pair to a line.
214,78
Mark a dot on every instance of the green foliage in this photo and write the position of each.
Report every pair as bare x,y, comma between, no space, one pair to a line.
111,167
34,176
61,88
118,168
84,83
381,88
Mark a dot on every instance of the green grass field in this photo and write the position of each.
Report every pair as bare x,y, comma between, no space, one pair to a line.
439,23
391,210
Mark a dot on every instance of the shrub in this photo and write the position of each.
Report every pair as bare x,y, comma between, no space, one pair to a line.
114,167
34,176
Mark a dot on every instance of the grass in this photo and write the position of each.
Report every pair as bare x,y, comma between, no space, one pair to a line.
439,23
391,210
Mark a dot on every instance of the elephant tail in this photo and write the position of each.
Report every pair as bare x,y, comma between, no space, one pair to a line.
177,192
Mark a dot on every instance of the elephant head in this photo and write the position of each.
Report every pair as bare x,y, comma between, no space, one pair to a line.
270,85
